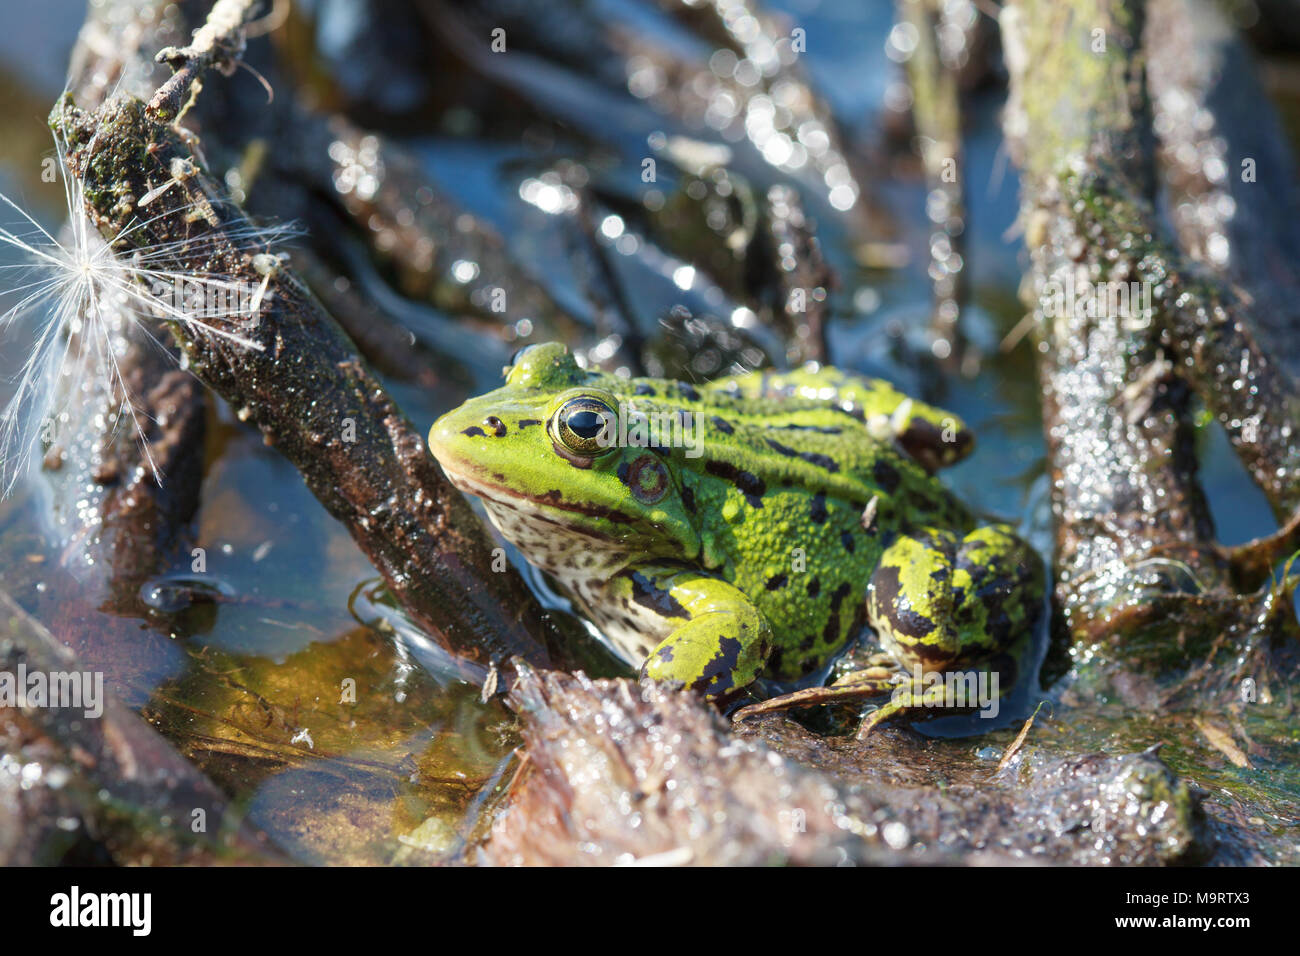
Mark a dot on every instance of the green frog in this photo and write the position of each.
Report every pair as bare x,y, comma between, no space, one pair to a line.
742,529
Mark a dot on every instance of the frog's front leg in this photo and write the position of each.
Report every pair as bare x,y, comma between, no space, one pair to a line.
721,640
941,603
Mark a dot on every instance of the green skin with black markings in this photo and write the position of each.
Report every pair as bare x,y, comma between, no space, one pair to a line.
808,504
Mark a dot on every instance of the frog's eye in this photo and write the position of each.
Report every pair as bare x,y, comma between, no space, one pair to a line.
585,426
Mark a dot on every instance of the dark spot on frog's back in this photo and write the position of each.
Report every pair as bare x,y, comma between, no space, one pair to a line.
646,593
831,632
817,510
780,449
814,587
750,485
820,429
886,475
688,392
821,461
688,498
777,581
643,389
846,540
722,425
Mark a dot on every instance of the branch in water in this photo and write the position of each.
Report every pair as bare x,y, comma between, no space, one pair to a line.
1137,557
288,368
132,795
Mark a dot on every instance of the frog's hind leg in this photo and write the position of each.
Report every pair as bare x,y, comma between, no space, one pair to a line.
943,604
939,603
936,597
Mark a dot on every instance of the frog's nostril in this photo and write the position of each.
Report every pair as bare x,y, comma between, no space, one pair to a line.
495,425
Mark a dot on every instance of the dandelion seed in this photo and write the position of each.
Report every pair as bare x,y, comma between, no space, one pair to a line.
77,298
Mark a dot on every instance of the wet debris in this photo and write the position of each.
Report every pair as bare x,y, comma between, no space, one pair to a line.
617,772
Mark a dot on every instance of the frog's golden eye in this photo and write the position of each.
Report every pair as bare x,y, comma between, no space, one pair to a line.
584,426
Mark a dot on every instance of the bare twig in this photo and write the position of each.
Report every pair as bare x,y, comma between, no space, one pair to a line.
218,43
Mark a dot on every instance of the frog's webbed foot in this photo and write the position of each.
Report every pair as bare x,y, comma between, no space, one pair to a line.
908,695
722,641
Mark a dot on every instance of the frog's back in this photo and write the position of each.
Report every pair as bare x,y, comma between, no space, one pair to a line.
758,433
780,486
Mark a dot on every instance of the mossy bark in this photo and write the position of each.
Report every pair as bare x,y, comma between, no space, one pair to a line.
1137,556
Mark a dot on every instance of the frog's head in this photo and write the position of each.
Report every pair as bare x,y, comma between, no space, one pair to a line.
542,453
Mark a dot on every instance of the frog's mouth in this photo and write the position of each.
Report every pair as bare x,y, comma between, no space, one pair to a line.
537,507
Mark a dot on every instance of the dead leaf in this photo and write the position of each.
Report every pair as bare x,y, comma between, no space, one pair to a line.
1222,741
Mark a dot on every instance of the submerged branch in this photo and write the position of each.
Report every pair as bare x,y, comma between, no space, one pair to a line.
109,784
